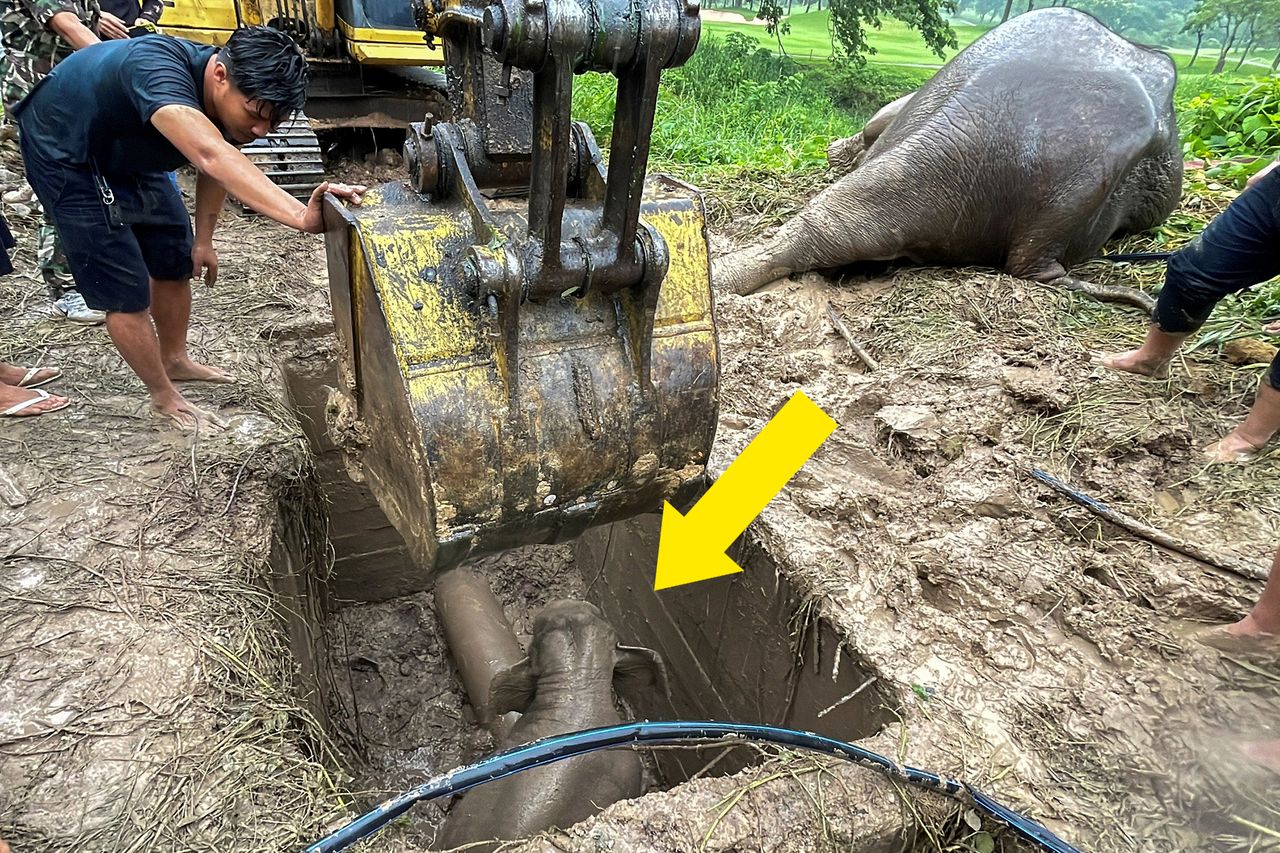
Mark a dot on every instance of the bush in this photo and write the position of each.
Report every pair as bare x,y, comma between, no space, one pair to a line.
863,91
1239,120
734,106
1235,122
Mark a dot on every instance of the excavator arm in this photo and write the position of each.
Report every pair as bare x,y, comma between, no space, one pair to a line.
527,337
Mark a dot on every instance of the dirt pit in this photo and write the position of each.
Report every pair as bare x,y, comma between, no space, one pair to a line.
396,703
1045,656
218,644
999,632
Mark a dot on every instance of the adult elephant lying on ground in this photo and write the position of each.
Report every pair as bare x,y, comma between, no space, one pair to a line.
1027,151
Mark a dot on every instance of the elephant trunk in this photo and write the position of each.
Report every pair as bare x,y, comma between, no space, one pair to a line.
481,639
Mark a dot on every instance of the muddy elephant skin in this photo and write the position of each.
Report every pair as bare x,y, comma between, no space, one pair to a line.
1026,152
565,685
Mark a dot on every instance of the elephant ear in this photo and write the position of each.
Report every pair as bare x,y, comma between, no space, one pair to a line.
512,689
637,670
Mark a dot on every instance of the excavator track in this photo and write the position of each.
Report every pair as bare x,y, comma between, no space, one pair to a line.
290,156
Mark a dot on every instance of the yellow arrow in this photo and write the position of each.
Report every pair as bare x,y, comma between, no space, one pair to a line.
692,546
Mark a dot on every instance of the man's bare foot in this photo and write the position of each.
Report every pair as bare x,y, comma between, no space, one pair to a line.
186,415
11,396
1133,361
1265,753
1249,626
1244,637
1232,448
191,371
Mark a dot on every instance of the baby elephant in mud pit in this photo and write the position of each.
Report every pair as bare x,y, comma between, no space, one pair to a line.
1026,152
565,685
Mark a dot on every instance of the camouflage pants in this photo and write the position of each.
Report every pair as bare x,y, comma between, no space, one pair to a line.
51,259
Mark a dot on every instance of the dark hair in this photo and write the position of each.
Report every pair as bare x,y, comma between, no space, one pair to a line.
266,65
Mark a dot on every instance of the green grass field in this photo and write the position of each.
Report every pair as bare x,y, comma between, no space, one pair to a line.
896,44
1259,63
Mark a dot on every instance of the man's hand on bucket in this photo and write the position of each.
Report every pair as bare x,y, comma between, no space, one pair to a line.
313,216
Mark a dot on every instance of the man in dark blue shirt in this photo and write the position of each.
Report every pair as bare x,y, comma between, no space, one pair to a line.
98,135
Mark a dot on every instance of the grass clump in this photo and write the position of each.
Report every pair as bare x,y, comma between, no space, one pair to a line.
733,108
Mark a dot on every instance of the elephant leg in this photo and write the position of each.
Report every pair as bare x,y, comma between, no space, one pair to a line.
747,270
845,155
883,118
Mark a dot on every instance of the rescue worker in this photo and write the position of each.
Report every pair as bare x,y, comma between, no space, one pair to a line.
36,35
1234,252
98,136
126,18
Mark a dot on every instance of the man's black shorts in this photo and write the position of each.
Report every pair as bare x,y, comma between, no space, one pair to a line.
115,249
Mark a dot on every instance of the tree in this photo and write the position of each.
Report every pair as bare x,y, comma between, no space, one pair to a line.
1198,29
1230,18
775,23
849,19
1267,28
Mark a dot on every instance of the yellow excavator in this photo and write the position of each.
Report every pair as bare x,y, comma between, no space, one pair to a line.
370,67
526,333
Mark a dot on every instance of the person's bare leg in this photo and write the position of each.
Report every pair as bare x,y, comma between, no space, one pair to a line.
1150,359
171,310
1259,426
135,338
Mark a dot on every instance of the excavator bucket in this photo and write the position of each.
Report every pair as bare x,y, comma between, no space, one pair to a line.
527,336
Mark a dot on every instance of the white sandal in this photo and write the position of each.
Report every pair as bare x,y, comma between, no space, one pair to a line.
16,410
28,379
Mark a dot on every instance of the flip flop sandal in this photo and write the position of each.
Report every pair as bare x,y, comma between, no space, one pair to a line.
28,380
15,411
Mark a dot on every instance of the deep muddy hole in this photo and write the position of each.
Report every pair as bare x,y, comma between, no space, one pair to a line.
372,653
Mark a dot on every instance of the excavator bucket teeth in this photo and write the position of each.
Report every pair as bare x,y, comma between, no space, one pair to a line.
462,465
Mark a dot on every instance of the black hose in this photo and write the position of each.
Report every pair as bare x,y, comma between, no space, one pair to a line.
557,748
